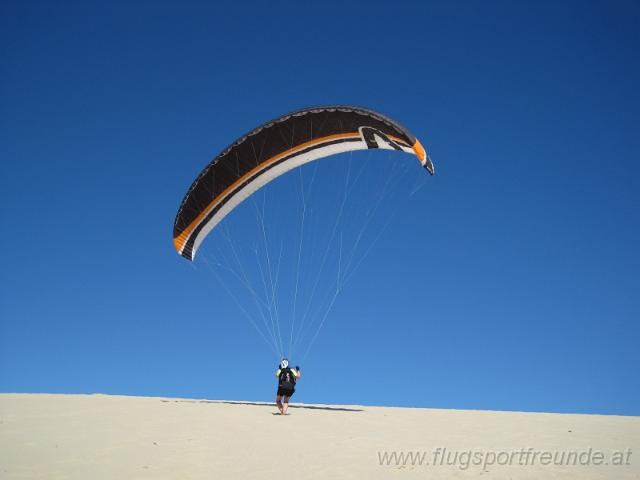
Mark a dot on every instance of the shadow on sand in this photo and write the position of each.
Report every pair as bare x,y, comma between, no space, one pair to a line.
272,405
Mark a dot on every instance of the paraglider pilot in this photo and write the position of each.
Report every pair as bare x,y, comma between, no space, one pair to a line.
287,379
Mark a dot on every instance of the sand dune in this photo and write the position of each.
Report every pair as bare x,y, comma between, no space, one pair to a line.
116,437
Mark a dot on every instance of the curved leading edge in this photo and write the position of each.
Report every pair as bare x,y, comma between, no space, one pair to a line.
275,148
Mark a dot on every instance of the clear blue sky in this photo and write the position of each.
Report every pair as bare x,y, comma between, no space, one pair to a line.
513,283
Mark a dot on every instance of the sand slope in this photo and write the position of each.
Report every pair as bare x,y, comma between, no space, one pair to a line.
115,437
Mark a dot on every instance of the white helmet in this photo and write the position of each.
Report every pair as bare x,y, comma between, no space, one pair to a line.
284,363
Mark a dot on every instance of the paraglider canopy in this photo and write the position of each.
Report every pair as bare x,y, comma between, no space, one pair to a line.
275,148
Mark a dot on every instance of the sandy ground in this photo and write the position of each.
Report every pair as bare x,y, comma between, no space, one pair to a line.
115,437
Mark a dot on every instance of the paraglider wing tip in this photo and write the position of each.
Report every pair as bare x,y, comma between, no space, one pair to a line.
428,164
422,155
178,244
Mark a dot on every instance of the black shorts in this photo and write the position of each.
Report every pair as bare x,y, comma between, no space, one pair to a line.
286,392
